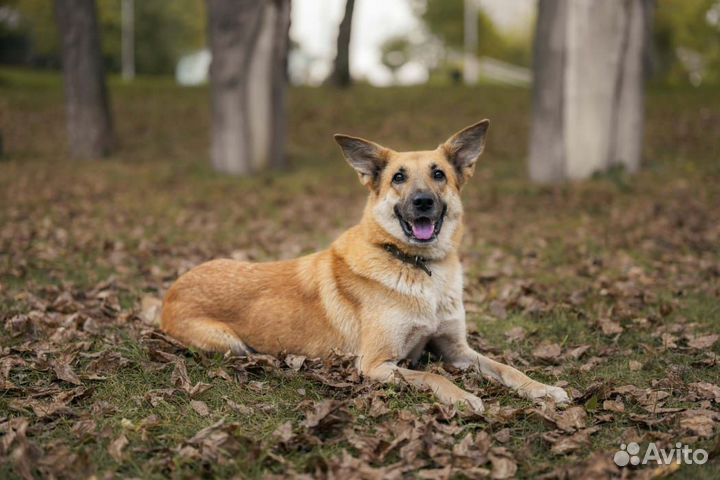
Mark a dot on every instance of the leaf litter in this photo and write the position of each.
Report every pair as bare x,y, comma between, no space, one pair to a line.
621,316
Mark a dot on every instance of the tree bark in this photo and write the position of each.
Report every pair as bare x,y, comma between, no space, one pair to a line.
248,77
127,8
588,89
340,76
281,47
547,154
89,122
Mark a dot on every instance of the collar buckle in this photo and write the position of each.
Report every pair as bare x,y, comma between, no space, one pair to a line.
415,260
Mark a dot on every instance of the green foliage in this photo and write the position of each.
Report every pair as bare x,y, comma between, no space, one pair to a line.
692,26
164,31
38,26
396,52
444,19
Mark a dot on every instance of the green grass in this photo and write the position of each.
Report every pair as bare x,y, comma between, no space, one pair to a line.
617,246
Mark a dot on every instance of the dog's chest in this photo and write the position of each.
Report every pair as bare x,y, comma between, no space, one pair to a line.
430,302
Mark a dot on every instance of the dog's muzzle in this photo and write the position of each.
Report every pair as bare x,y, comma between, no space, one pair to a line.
421,216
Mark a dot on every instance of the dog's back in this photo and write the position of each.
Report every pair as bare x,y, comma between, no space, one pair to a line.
269,307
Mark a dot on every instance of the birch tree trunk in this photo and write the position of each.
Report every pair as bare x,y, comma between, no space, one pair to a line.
89,123
588,91
340,76
248,78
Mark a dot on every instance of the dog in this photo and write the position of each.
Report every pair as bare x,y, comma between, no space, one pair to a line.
384,291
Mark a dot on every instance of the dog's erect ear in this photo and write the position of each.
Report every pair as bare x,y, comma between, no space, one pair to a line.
465,147
367,158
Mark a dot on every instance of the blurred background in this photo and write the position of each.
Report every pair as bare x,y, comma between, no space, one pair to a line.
590,75
405,42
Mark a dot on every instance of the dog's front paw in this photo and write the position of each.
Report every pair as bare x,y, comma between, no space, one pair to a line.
540,391
475,403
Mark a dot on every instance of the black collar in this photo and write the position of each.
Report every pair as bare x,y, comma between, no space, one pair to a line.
414,260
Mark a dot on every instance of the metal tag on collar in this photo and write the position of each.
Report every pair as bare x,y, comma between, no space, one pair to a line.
420,263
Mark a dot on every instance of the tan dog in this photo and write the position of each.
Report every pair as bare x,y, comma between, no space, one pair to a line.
385,289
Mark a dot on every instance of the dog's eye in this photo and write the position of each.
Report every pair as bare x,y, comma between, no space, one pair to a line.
439,175
398,177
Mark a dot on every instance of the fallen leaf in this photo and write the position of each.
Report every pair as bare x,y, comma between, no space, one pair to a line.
610,327
284,432
577,352
564,444
699,422
200,407
326,416
704,342
150,308
574,418
241,409
294,361
502,467
64,371
115,449
706,391
614,406
515,334
549,352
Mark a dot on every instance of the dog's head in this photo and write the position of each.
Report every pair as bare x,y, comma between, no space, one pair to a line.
415,196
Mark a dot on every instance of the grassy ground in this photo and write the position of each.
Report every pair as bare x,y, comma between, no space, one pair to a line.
610,287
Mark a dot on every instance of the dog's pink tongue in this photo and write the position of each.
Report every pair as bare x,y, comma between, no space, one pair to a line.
423,229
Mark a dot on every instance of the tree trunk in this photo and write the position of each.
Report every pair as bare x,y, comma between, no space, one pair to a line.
547,154
89,122
127,9
340,76
588,89
248,78
281,47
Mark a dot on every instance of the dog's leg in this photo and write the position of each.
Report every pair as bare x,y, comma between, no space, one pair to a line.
452,346
207,334
444,389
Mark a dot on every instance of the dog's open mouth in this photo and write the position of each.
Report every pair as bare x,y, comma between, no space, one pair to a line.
421,229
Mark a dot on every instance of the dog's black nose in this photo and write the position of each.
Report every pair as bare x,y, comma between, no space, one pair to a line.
423,202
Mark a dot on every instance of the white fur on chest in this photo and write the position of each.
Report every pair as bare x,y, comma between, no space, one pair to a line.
432,300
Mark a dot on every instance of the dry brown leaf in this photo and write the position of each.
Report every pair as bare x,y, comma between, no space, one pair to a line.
549,352
84,428
574,418
443,473
610,327
326,416
241,409
515,334
64,371
294,361
284,432
115,449
503,436
565,444
699,422
704,342
577,352
502,467
200,407
706,391
614,406
378,407
150,308
669,340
